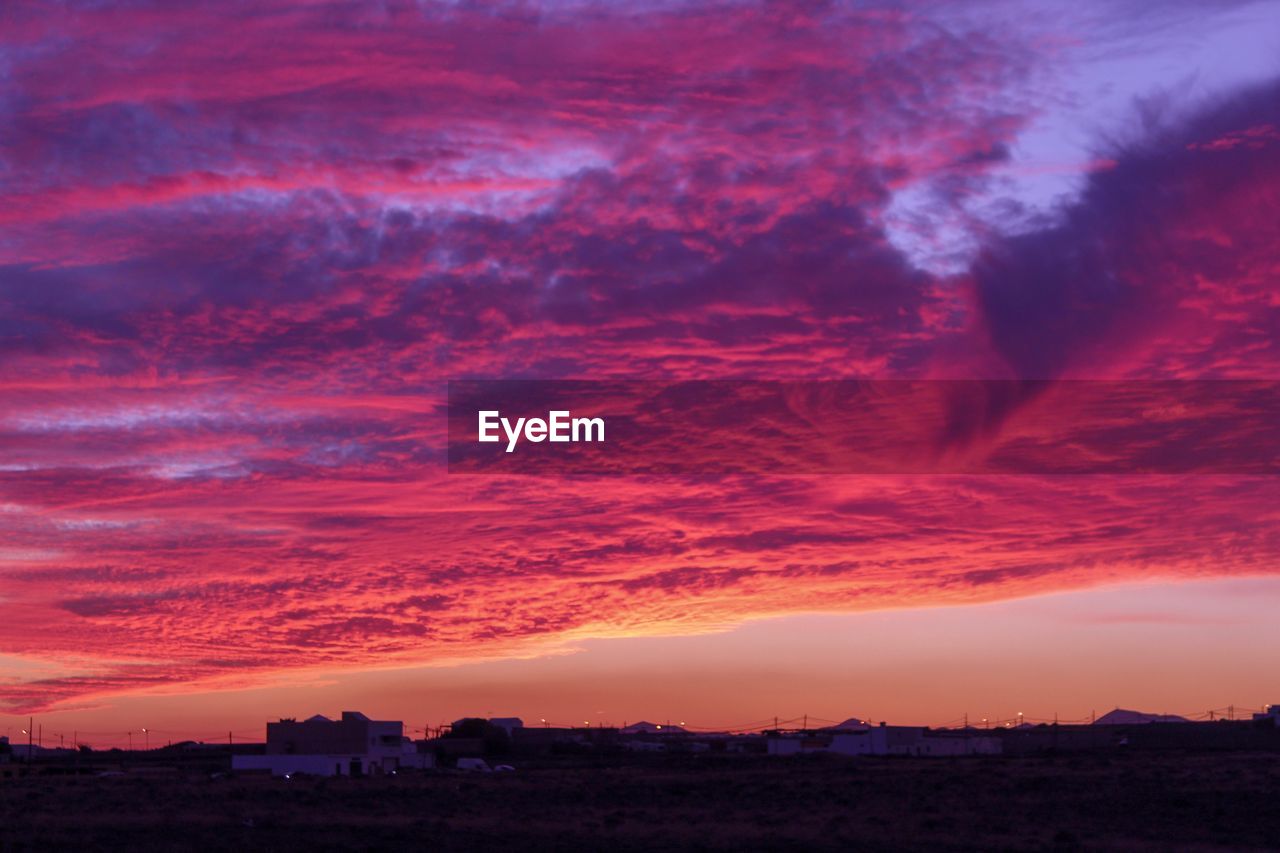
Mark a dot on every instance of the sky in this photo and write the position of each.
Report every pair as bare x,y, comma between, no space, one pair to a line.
244,246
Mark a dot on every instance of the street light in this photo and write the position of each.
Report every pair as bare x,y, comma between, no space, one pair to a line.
146,740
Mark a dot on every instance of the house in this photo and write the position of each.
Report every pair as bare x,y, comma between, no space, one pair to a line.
35,752
923,741
1023,740
945,742
1270,714
507,724
353,745
798,743
884,740
644,746
8,769
544,740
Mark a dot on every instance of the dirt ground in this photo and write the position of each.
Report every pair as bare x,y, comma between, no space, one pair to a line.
1146,801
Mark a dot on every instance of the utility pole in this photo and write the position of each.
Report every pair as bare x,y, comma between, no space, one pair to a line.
31,724
806,722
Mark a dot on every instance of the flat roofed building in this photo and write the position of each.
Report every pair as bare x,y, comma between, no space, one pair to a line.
352,745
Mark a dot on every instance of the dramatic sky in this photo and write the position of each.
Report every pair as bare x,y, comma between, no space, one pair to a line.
244,245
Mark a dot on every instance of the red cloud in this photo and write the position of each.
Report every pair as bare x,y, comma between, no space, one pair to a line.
238,268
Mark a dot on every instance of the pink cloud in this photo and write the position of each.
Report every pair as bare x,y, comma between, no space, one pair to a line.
238,269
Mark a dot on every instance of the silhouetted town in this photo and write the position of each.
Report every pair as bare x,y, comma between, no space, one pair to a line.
1125,780
354,745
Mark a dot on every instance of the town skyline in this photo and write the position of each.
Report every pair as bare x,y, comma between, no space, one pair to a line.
145,739
239,274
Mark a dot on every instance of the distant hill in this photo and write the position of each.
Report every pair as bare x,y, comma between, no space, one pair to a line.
851,724
1123,717
646,727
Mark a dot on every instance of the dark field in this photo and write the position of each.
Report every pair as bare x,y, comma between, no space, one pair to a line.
1121,802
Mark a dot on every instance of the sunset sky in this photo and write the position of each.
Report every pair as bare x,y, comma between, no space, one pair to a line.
245,245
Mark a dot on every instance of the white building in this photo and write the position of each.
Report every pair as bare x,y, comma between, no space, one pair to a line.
1271,712
351,746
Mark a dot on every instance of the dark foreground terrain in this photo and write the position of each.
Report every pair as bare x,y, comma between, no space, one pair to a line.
1118,802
